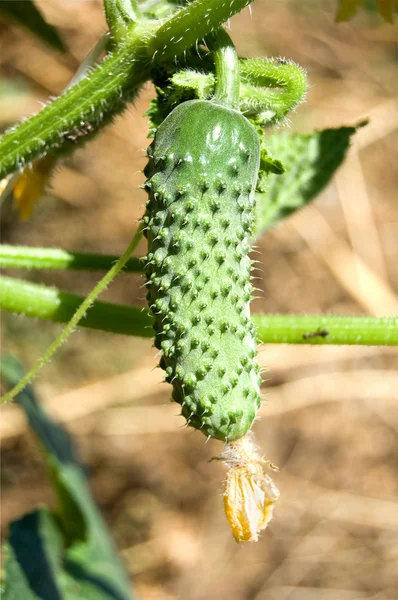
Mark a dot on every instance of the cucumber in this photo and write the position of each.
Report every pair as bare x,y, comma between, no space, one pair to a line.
201,174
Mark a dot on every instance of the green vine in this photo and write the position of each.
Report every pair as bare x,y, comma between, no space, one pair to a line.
121,14
22,257
48,303
80,112
226,65
76,318
83,109
190,25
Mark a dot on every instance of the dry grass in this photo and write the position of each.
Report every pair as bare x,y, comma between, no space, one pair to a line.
330,420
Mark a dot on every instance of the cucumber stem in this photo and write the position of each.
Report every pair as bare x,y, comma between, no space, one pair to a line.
51,304
226,67
76,318
121,16
23,257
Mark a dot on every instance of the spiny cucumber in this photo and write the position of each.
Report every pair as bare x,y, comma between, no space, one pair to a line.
201,174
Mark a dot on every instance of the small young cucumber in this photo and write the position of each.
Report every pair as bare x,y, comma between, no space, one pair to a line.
201,174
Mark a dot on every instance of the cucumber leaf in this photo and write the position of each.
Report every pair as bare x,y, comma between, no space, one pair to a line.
309,161
347,9
68,554
27,14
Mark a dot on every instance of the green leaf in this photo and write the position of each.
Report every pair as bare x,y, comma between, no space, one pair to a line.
68,555
34,535
310,161
347,9
269,164
26,13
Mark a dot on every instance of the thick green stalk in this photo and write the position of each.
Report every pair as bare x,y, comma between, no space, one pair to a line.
327,329
25,189
190,25
51,304
121,15
83,109
226,67
22,257
91,59
48,303
77,115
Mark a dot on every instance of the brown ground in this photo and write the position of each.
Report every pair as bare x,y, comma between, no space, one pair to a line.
330,421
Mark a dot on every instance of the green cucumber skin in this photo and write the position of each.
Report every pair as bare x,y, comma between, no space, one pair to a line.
201,174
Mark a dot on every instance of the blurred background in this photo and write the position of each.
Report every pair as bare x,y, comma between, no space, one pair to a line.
330,417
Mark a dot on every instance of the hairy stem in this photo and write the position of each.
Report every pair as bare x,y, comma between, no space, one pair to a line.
121,15
77,115
25,188
269,88
226,67
22,257
91,59
191,24
48,303
51,304
260,78
76,318
83,109
327,329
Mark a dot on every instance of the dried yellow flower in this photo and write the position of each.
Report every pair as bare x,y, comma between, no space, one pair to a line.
250,493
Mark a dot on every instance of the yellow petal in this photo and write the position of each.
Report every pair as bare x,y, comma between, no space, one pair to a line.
249,497
30,184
